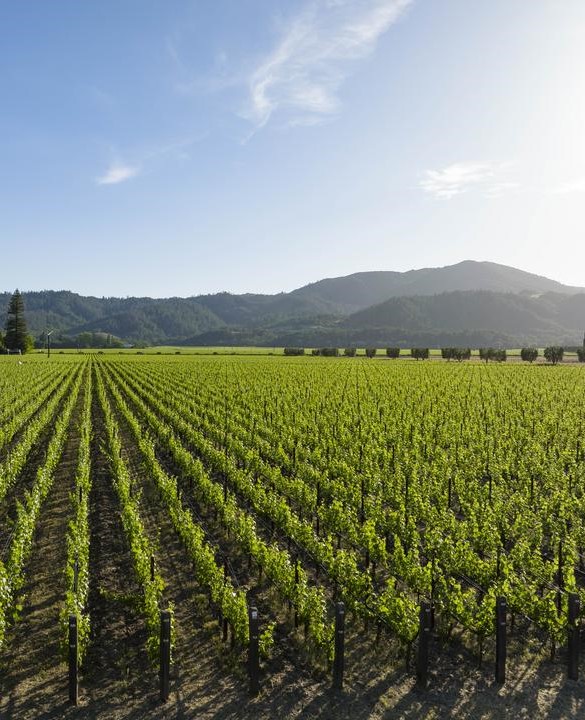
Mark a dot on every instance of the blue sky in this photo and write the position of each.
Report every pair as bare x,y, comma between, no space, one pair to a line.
175,148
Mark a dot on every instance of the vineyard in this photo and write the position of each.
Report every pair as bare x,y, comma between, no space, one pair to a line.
290,537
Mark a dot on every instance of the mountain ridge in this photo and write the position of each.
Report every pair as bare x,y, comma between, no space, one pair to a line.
465,275
469,297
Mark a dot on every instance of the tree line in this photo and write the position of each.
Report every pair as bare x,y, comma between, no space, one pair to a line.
16,338
552,354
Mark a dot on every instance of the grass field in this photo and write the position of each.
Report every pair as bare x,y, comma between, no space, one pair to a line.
130,484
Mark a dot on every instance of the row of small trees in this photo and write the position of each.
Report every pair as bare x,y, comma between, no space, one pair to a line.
495,354
393,352
553,354
451,353
456,353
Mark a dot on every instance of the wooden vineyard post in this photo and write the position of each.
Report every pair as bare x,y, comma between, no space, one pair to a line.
501,639
152,568
73,655
296,584
560,578
223,620
253,653
424,636
433,575
574,636
338,659
318,505
75,575
165,653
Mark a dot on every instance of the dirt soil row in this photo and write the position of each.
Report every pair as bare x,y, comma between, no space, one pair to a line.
32,678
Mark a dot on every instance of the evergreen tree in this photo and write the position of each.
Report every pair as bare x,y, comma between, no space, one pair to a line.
16,337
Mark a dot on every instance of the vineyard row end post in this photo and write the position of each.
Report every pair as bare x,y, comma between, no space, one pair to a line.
574,636
424,636
254,652
73,660
501,609
165,654
338,657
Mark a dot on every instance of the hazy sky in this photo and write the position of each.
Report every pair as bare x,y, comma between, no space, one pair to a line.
160,148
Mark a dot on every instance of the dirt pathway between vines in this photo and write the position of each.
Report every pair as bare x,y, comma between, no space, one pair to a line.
116,675
207,680
31,675
26,478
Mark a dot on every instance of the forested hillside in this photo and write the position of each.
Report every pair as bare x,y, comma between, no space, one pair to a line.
469,303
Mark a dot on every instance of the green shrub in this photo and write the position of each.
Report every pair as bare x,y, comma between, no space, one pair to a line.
492,354
420,353
456,353
529,354
329,352
554,354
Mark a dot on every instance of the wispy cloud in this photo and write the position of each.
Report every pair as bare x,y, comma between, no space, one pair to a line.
316,52
462,177
117,173
492,180
568,188
147,159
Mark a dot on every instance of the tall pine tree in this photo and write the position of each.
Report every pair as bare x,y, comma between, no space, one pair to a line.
16,337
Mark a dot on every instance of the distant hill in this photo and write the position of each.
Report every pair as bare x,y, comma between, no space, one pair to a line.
547,318
133,319
356,292
482,301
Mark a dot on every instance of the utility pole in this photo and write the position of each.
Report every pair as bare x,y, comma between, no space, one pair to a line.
49,333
